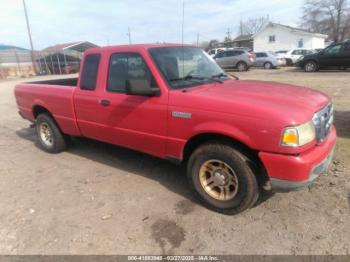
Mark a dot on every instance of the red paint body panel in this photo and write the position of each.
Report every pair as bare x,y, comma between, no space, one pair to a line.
252,112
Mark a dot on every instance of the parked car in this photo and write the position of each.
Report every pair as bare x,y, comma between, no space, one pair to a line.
336,56
268,60
215,51
281,52
174,102
243,48
293,55
241,60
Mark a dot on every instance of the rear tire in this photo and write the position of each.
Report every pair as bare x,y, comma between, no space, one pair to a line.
268,65
241,66
51,138
222,178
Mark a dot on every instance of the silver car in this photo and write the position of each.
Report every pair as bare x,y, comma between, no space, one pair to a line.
241,60
268,60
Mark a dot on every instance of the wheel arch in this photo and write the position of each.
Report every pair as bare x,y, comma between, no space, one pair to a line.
40,109
255,162
241,61
202,138
311,60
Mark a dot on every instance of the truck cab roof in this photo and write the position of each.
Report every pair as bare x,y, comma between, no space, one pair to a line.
134,47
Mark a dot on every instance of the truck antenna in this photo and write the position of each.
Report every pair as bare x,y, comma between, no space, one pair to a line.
182,38
183,22
129,35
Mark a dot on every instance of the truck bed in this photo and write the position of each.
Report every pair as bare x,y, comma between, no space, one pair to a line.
54,95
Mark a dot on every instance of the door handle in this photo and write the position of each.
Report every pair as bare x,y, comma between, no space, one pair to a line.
104,102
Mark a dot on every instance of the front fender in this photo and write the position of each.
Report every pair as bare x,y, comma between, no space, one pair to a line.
224,129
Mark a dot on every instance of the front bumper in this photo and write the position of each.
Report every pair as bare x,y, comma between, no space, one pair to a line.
288,172
299,64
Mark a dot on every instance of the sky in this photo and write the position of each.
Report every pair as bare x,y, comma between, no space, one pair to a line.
106,22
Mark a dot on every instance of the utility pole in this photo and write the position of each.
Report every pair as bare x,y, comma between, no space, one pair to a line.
129,35
228,33
241,28
197,39
30,37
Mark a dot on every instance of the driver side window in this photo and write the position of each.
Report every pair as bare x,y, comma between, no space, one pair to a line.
127,66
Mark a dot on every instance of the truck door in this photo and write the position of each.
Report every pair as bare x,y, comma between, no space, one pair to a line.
137,122
86,99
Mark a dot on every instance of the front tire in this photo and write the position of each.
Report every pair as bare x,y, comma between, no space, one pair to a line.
310,66
51,138
222,179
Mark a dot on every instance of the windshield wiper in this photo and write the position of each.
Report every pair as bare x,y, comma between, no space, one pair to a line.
219,75
194,77
188,77
224,75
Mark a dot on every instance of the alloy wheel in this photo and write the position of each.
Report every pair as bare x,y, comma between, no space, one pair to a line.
218,180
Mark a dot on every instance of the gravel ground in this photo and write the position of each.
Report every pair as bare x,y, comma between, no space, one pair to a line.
100,199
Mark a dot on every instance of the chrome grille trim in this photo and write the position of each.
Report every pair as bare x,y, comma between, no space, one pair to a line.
323,121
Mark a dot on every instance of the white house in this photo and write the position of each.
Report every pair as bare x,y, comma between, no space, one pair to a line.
274,37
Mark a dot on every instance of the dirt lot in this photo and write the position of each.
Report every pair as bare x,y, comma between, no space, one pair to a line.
100,199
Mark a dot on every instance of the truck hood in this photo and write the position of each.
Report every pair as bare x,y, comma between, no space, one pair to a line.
258,99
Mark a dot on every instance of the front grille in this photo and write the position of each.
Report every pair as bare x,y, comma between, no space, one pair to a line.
323,121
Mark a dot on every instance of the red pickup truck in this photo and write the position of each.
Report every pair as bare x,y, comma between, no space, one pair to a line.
174,102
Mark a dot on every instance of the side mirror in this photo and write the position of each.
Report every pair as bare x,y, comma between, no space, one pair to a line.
140,88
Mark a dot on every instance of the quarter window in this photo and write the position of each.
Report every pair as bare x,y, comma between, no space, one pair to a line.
90,71
347,47
127,66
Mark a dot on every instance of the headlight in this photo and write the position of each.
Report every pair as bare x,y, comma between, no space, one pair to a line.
298,135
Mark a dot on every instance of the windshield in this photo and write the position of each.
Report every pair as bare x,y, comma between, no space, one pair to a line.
186,66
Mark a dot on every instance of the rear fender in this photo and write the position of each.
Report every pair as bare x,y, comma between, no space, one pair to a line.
41,103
